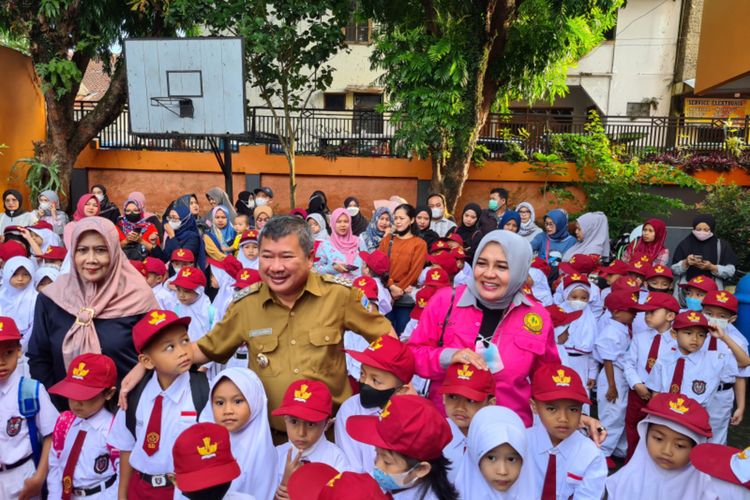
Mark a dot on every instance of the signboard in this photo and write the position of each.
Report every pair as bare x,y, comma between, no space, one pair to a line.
708,107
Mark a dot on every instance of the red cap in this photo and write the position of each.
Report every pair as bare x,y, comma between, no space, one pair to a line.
249,235
454,236
12,229
152,323
439,246
689,318
202,456
319,481
659,300
458,253
640,257
681,410
560,317
421,299
723,462
138,265
154,265
377,261
659,270
621,301
246,277
8,329
42,225
722,299
469,382
701,282
228,264
307,400
638,267
445,260
190,278
526,290
579,263
182,255
88,375
625,284
615,267
542,265
12,248
54,253
437,278
409,424
553,381
389,354
576,279
367,285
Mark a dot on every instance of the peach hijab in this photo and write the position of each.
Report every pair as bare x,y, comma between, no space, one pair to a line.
123,292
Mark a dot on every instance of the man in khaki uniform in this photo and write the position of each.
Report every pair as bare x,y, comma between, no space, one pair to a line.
293,322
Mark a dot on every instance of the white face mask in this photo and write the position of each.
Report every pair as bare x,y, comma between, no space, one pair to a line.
175,224
261,201
250,203
99,197
45,205
437,213
353,211
577,305
720,322
702,235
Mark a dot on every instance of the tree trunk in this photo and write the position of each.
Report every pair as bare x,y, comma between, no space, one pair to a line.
437,181
291,159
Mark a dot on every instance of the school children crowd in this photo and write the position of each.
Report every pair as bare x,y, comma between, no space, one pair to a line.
505,333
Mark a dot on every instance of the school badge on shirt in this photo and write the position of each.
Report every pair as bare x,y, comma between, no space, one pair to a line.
101,464
532,322
13,427
699,387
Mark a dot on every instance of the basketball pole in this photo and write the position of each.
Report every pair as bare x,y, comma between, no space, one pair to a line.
225,162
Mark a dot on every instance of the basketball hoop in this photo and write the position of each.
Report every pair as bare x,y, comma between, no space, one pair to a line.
184,106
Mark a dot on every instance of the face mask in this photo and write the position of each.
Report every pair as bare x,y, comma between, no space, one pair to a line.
437,213
370,397
392,482
261,201
654,289
720,322
250,203
133,217
45,205
493,205
578,305
702,235
402,233
175,224
353,211
99,197
693,304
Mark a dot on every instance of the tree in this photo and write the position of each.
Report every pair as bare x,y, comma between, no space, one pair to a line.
62,37
447,63
287,46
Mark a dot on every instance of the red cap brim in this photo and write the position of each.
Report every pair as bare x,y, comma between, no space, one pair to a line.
567,268
562,394
464,391
308,481
713,459
72,390
185,283
210,476
365,359
364,428
670,416
303,413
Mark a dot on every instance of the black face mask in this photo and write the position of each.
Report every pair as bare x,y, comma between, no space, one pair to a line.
652,289
404,232
133,217
373,398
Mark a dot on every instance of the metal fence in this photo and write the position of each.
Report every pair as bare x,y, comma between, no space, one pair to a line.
368,133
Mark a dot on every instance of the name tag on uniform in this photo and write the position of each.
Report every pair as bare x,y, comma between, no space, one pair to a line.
261,332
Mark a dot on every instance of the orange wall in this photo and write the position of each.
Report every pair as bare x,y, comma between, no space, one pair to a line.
22,115
722,54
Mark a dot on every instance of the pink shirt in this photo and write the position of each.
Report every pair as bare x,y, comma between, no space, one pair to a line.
524,337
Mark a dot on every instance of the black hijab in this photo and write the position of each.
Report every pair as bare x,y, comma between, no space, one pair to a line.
428,235
359,223
708,249
318,204
466,232
241,204
20,210
107,209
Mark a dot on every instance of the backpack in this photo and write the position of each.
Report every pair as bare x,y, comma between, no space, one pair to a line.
28,406
199,390
62,427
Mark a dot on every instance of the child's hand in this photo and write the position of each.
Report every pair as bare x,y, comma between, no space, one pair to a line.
563,337
292,464
611,394
281,493
716,331
737,416
340,268
642,391
591,383
32,487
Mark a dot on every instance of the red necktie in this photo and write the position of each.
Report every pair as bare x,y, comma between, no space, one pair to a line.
549,491
653,353
679,371
712,344
153,429
70,465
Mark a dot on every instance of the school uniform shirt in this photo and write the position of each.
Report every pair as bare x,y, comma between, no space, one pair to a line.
164,296
202,314
354,342
701,377
385,301
95,464
612,343
178,413
721,490
464,276
580,465
323,451
416,493
14,434
728,376
359,456
455,451
636,357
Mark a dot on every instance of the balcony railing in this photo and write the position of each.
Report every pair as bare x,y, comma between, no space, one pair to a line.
368,133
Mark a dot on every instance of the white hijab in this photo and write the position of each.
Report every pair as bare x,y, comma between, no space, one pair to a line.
643,478
491,427
226,291
252,445
19,304
582,331
48,236
199,313
246,262
45,272
528,228
595,229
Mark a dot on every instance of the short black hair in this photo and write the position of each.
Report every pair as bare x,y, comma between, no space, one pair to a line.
502,192
244,216
283,225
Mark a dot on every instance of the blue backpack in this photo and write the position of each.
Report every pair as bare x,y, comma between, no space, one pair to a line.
28,405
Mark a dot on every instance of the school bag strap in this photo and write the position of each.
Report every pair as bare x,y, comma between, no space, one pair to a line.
28,405
62,426
199,390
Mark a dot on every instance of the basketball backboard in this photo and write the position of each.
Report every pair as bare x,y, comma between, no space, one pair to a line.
186,86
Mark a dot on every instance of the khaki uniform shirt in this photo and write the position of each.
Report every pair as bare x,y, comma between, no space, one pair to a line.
305,341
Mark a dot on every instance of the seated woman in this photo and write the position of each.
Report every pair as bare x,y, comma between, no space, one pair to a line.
592,235
138,236
219,238
650,243
339,254
552,244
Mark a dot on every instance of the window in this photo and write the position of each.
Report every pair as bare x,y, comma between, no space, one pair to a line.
359,32
639,109
366,118
334,102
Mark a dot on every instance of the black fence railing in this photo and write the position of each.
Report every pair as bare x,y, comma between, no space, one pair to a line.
368,133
